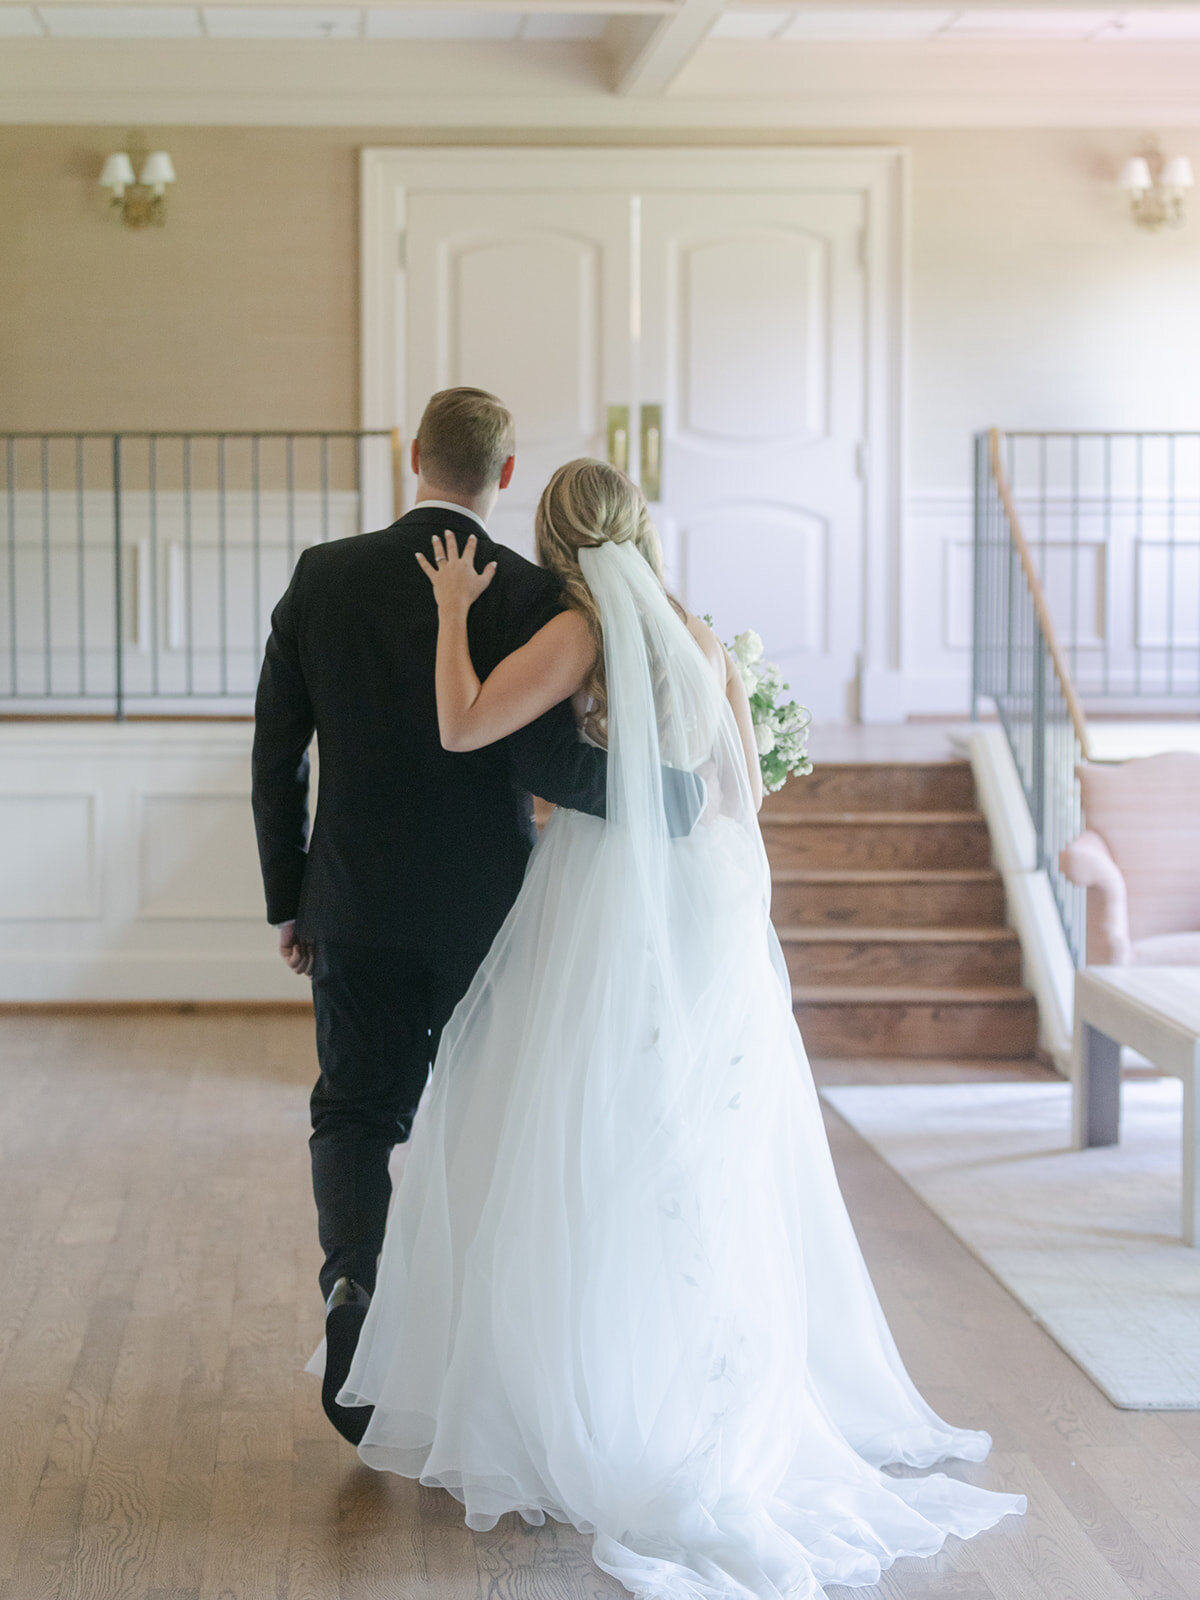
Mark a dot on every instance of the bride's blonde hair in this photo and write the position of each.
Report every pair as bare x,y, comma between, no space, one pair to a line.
589,503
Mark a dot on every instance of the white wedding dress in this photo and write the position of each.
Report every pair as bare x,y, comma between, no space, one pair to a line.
619,1285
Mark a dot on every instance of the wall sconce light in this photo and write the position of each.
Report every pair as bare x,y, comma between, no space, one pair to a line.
1157,188
138,183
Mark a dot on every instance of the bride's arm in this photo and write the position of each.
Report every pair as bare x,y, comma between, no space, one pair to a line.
735,692
739,700
541,674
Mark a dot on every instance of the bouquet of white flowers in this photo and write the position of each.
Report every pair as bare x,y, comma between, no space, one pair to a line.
781,731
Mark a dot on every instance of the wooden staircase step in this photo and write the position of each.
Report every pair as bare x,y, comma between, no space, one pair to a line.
877,839
877,786
915,1023
971,897
924,958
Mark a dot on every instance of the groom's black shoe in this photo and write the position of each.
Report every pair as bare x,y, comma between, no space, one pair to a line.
344,1313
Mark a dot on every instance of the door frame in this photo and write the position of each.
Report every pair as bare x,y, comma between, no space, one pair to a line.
879,174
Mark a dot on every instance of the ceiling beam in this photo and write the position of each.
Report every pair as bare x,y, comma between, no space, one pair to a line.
649,53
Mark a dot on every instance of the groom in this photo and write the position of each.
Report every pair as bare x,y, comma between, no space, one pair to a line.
416,855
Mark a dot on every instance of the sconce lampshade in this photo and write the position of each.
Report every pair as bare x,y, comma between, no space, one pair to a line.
1135,175
118,173
157,170
1177,174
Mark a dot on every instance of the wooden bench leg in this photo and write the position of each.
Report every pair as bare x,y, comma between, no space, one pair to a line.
1097,1109
1191,1167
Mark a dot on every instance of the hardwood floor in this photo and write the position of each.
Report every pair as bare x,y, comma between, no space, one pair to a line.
159,1440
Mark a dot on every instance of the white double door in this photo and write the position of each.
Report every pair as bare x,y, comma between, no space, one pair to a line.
712,341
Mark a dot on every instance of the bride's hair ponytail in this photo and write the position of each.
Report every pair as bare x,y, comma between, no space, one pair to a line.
589,503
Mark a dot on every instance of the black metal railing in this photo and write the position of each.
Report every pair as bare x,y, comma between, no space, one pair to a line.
1019,664
140,569
1112,524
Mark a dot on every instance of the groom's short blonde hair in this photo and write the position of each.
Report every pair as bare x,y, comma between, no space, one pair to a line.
465,437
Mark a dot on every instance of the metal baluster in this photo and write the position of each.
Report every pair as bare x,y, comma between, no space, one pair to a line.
359,474
255,479
81,564
1136,585
11,457
324,488
118,587
47,645
222,573
1171,564
152,469
1106,656
190,668
1042,498
1074,643
976,575
291,503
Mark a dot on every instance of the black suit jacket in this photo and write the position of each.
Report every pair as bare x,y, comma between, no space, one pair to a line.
412,845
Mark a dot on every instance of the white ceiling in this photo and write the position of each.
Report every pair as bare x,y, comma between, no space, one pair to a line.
98,21
879,25
466,21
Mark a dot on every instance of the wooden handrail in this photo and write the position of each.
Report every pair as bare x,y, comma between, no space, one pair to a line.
397,474
1045,621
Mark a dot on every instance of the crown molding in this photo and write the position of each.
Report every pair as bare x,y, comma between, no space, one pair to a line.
570,87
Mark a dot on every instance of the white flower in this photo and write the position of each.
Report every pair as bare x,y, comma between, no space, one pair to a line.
747,674
764,738
748,647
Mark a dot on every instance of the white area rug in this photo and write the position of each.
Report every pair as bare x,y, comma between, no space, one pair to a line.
1087,1240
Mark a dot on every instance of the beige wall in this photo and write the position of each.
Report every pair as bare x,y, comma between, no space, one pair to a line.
240,313
1034,301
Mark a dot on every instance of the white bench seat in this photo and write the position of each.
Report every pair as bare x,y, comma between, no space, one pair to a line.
1156,1011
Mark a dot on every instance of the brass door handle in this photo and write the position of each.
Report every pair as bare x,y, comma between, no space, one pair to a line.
618,437
652,452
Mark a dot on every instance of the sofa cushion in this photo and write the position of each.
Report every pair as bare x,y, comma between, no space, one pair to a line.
1148,813
1169,950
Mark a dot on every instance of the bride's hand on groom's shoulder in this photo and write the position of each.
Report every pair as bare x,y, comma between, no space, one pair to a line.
456,584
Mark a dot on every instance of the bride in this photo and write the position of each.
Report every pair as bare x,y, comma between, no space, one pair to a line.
619,1285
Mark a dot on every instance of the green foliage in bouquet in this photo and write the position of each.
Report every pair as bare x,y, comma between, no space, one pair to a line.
780,730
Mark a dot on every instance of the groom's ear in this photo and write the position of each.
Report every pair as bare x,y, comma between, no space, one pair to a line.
414,456
506,472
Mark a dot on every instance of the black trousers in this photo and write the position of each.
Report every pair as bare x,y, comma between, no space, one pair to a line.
379,1015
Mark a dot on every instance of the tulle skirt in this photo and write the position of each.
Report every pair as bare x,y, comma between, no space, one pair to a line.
619,1286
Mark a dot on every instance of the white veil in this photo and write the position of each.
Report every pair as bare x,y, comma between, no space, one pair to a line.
619,1285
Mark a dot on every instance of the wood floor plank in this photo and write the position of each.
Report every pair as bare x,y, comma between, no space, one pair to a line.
245,1555
1162,1512
312,1566
159,1440
1044,1553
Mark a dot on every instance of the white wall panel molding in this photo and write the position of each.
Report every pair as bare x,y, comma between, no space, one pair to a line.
128,868
936,601
49,855
197,858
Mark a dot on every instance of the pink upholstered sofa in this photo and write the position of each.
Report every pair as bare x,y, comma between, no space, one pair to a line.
1139,860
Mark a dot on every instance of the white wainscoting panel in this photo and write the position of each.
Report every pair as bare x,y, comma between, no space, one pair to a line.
48,857
197,858
937,621
128,868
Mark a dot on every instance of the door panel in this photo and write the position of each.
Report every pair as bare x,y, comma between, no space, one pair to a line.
526,295
752,311
752,321
751,338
